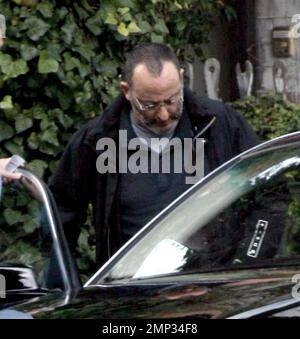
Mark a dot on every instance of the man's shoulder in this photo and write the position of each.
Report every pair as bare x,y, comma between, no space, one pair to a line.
204,106
211,106
87,130
105,124
227,120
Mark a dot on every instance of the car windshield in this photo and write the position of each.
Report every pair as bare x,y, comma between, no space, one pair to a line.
246,214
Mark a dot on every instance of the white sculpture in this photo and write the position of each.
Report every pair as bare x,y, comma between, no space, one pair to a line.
190,68
244,79
212,69
279,77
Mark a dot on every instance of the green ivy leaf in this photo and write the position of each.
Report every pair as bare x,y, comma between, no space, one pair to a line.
69,29
127,3
28,52
30,225
50,149
20,67
6,102
38,111
34,209
23,123
64,119
13,148
111,19
46,9
86,50
14,68
70,62
133,28
50,136
181,25
38,167
70,80
123,10
5,60
156,38
65,99
46,123
46,64
12,217
84,70
61,13
145,26
6,131
122,29
160,27
55,51
178,5
108,67
36,28
94,25
33,141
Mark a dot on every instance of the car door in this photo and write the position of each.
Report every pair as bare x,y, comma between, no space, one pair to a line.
34,257
240,230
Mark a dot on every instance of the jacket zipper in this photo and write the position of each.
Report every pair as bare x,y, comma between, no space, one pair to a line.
205,128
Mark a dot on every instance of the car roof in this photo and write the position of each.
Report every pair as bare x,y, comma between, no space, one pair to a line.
279,141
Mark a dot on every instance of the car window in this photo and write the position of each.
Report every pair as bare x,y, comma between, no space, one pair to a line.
247,215
25,232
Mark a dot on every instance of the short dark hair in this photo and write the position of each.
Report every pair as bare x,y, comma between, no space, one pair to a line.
152,55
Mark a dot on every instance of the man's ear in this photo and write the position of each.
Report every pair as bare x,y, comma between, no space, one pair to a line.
125,89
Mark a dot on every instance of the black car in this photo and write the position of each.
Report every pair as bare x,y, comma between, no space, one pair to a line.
229,247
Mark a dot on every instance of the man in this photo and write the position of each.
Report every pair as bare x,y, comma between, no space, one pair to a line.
153,104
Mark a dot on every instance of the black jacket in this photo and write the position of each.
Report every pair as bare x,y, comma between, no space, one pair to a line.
76,182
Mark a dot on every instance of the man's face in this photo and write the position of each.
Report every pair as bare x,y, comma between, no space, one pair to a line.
156,101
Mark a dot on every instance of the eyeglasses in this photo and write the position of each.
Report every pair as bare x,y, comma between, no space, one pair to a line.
155,106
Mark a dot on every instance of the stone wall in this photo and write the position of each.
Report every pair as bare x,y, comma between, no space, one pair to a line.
270,14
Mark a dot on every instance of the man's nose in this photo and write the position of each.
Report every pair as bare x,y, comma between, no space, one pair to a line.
163,113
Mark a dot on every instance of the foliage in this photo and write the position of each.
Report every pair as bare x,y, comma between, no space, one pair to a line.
20,230
271,115
61,63
294,213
